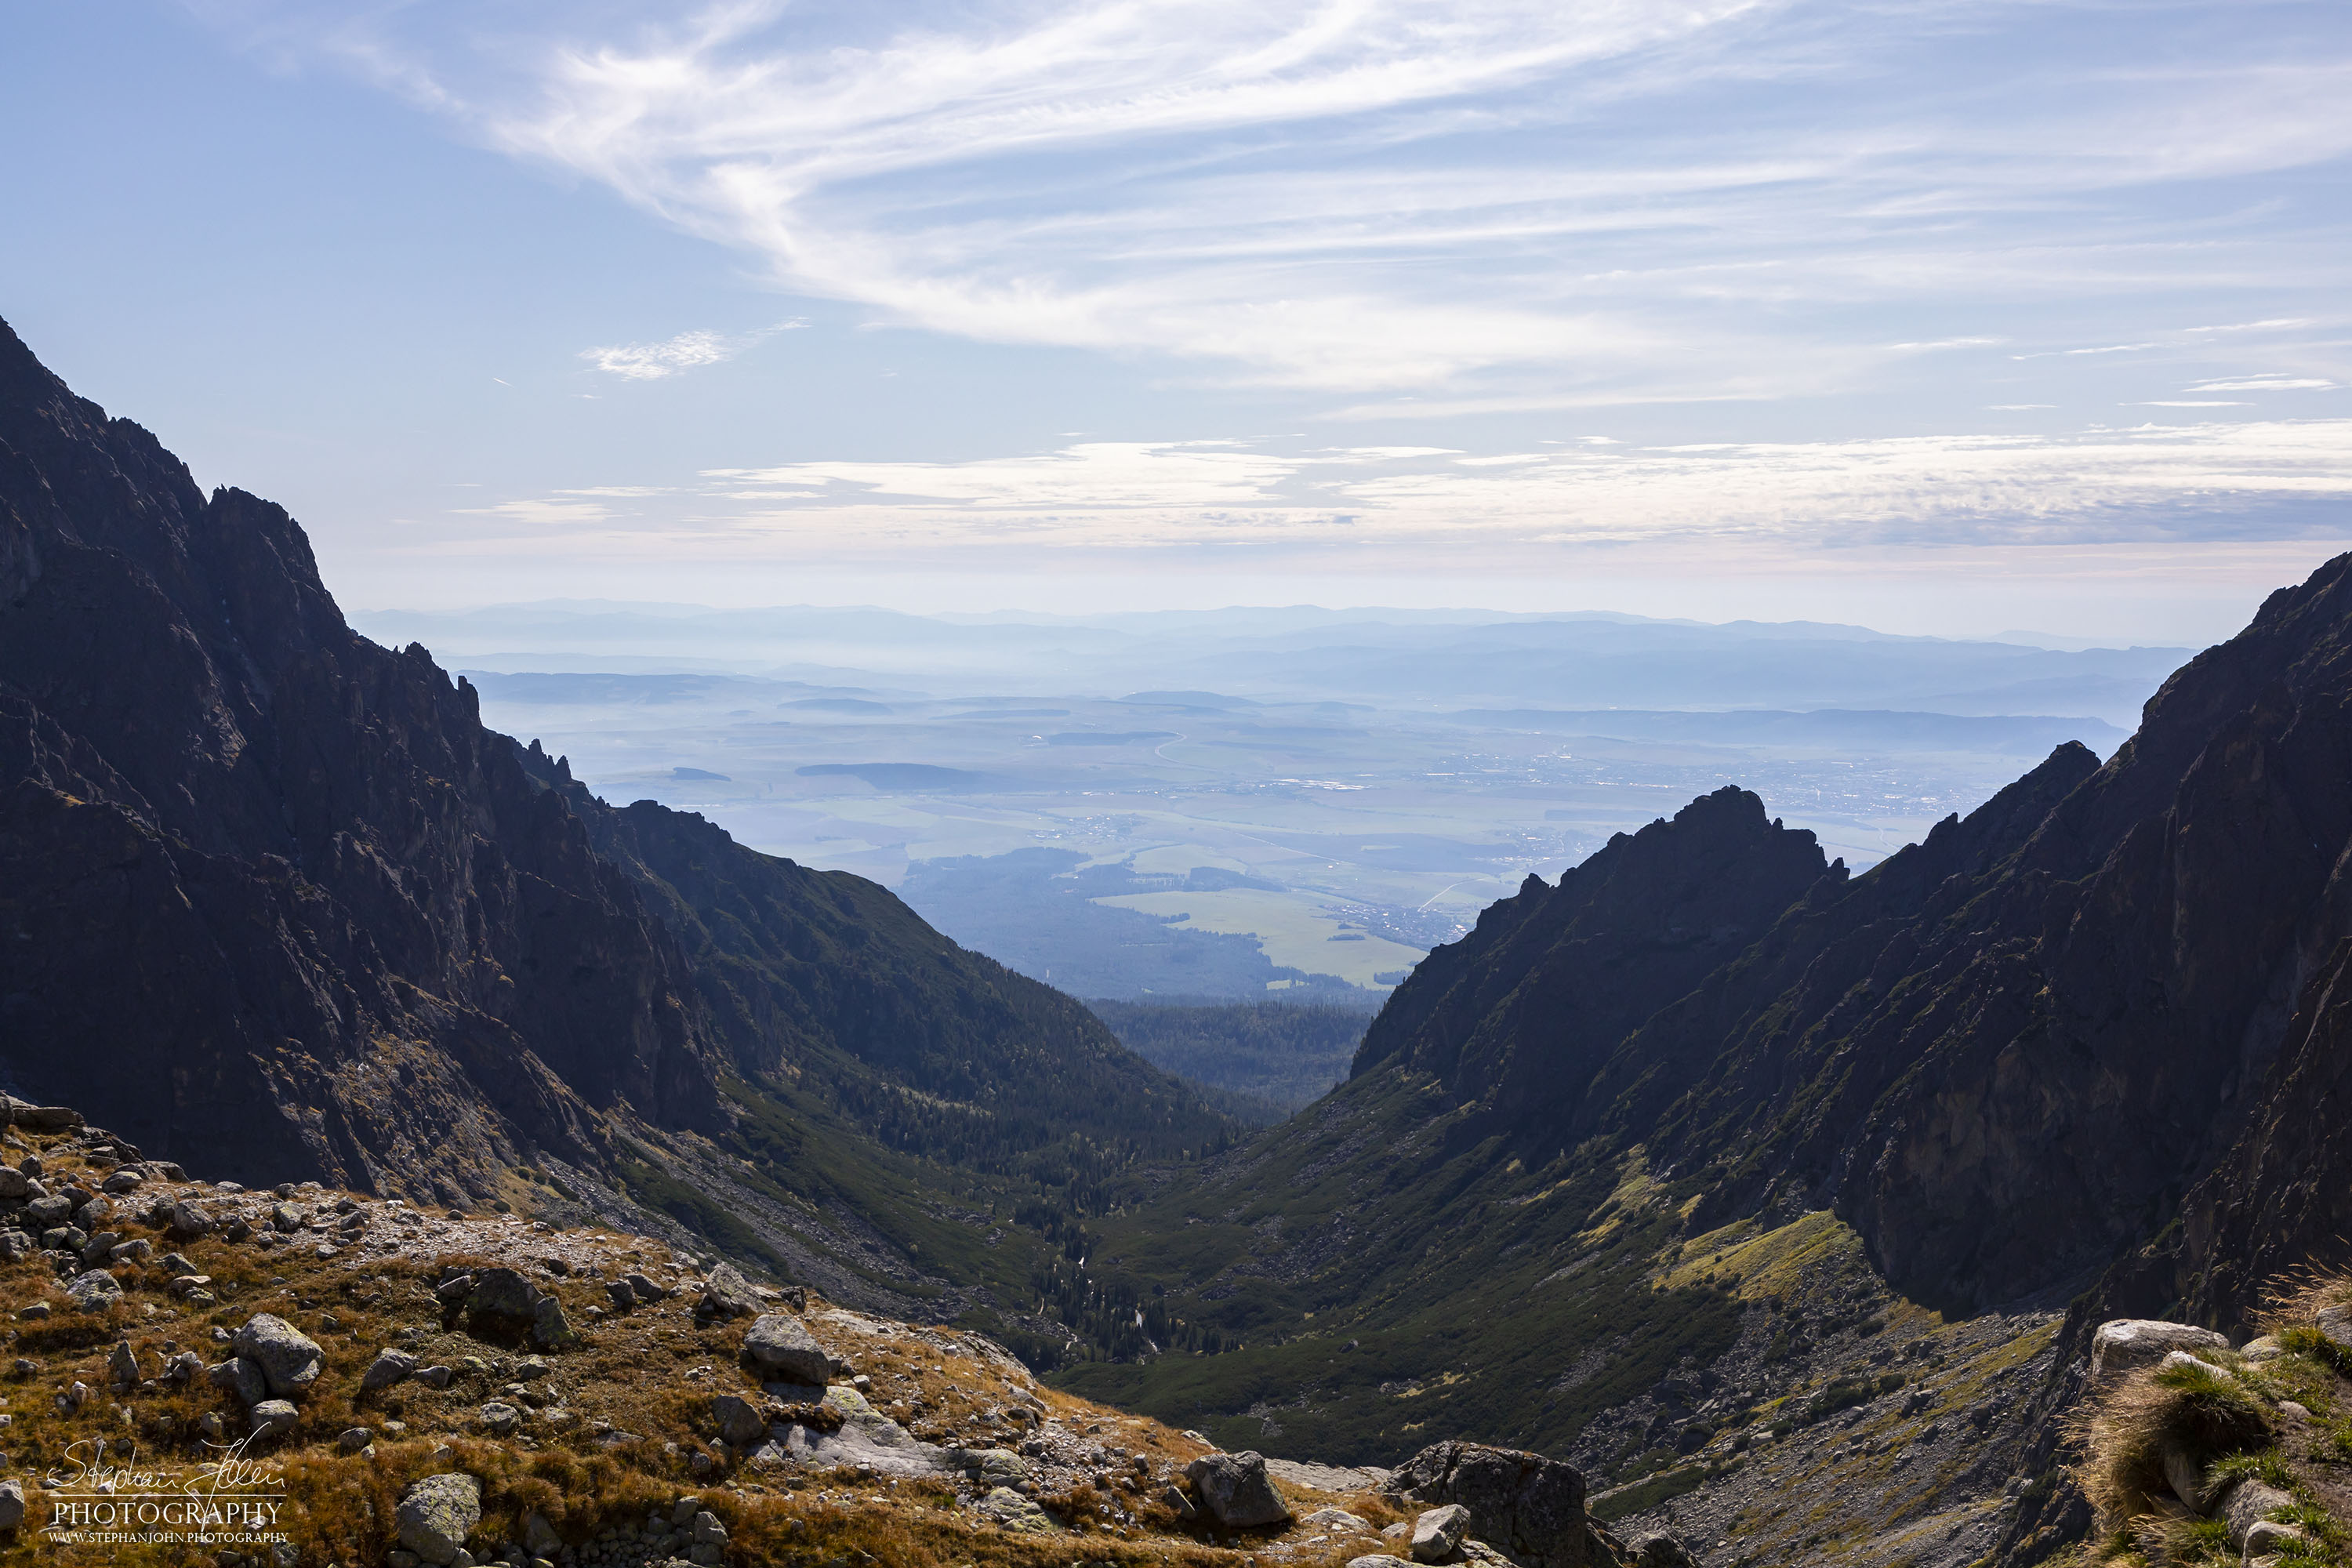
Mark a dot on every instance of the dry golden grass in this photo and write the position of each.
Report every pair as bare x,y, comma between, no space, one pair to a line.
639,1389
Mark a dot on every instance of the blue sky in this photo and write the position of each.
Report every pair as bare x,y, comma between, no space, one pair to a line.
1941,317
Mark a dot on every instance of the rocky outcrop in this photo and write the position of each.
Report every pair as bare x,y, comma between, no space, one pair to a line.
1530,1506
272,895
1235,1491
1523,1011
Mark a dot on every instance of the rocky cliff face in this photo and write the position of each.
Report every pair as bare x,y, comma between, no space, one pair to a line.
271,894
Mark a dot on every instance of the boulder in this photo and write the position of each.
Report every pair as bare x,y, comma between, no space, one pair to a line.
122,1365
2250,1503
2181,1360
187,1222
436,1514
539,1537
241,1377
2335,1322
500,1417
45,1214
289,1358
1010,1511
435,1376
549,1328
1334,1518
12,1504
726,1294
353,1439
1438,1534
990,1467
1531,1507
389,1367
1236,1491
2184,1474
272,1418
2129,1342
15,1245
2268,1537
15,1185
94,1291
854,1434
643,1288
1378,1560
1658,1550
623,1299
740,1421
502,1293
778,1350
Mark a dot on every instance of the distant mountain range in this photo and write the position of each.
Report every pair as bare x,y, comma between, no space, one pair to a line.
1221,660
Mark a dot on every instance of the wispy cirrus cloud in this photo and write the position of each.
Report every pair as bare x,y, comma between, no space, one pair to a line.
1489,205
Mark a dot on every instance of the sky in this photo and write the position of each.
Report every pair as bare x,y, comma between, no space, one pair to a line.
1946,318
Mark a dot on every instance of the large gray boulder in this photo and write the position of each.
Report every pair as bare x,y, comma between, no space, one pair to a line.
436,1514
1236,1491
740,1421
241,1376
94,1291
1530,1506
1437,1533
2125,1343
272,1419
776,1349
726,1294
12,1504
287,1357
389,1367
502,1293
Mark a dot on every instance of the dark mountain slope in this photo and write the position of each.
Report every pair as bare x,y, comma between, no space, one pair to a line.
272,900
1525,1007
273,895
